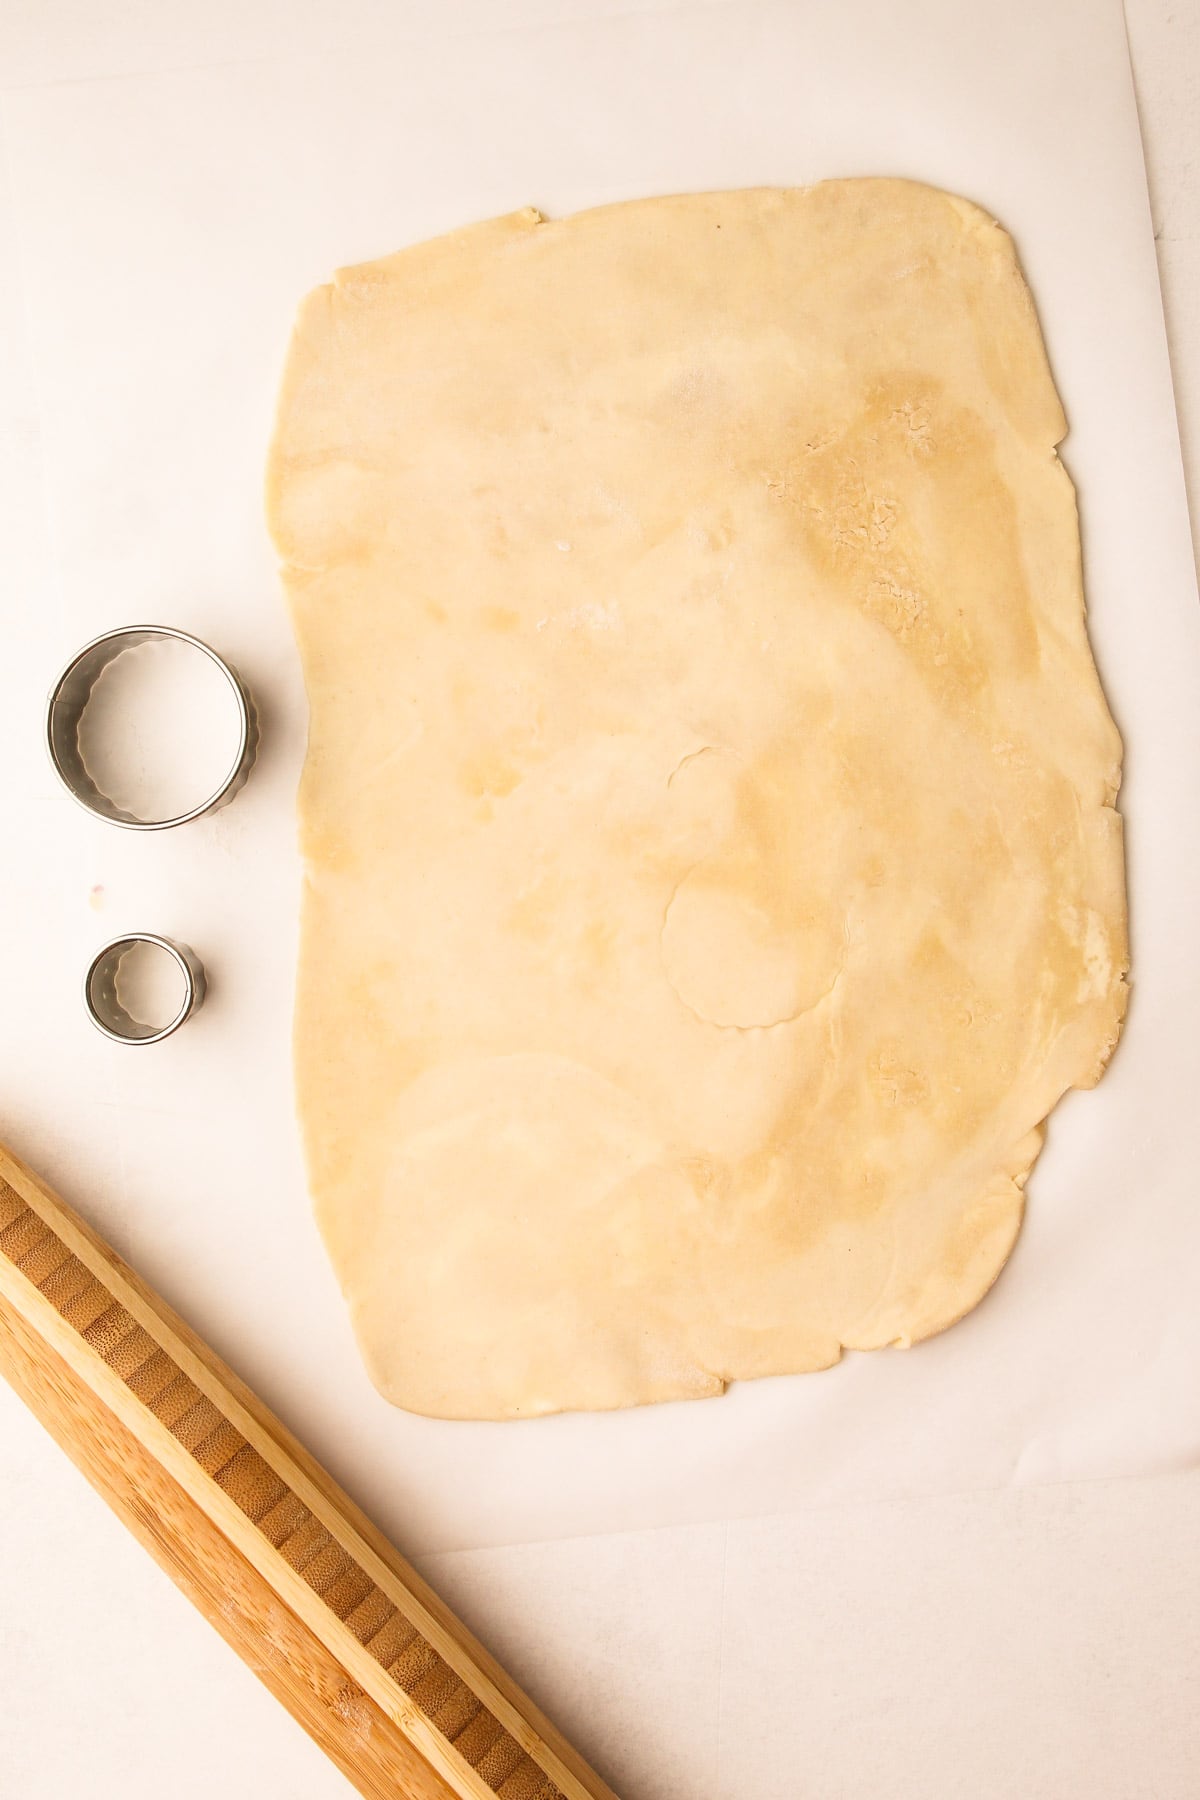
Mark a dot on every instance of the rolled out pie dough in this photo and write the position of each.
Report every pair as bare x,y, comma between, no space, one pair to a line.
712,876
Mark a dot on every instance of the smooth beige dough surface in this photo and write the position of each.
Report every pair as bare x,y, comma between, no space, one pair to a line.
712,876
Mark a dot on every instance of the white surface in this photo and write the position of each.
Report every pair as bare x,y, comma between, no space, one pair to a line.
1032,1644
1039,1641
165,222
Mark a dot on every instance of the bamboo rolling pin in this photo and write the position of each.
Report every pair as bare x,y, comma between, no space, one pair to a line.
258,1536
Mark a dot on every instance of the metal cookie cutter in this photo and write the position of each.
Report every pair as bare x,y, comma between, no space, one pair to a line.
68,701
100,989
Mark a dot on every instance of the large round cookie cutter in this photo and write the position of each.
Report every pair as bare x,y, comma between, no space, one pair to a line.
68,703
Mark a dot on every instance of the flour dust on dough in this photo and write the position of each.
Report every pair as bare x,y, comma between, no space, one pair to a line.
712,873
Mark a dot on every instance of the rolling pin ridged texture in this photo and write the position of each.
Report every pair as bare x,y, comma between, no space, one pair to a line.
313,1598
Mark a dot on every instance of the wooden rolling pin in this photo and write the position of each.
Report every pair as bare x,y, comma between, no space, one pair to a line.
258,1536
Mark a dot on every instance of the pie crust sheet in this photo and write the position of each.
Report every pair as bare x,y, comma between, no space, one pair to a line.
712,876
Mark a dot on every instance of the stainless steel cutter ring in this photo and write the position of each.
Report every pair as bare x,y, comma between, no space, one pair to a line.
104,1006
68,702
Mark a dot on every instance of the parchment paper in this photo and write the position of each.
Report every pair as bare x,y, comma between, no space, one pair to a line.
160,229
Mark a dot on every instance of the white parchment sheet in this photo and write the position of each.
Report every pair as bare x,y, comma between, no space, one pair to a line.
159,229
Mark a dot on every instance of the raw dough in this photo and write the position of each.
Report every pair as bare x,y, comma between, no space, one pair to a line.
712,873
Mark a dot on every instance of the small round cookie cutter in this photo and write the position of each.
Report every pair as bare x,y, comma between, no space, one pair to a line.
68,702
104,1006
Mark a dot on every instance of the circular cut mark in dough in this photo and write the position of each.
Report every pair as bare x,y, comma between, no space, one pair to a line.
732,964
